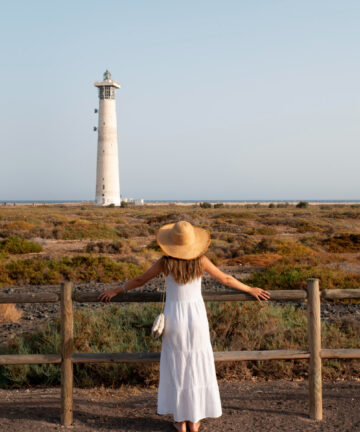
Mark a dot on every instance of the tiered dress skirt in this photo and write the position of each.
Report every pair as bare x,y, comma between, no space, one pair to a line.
188,387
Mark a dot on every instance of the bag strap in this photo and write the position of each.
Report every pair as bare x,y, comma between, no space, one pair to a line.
163,298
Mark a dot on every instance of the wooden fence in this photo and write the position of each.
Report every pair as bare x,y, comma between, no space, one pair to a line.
67,358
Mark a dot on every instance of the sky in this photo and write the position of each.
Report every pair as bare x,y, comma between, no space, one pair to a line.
220,100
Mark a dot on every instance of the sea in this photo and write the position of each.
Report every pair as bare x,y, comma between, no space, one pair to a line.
336,201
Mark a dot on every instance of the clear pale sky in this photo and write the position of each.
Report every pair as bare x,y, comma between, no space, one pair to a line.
219,100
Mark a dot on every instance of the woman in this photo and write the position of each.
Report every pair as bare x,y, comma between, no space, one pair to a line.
188,388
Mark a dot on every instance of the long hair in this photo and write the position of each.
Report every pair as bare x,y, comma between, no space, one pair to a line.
183,271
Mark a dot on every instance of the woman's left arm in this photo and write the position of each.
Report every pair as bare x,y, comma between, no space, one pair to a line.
137,282
226,279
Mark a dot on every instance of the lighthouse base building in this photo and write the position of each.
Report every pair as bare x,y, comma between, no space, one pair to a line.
107,172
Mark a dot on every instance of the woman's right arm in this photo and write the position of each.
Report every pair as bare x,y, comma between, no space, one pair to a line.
230,281
138,281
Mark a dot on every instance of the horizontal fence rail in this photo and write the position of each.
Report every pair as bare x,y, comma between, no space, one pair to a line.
22,359
154,297
66,359
145,297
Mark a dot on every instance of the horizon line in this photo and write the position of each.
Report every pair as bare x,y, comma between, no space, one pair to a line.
3,201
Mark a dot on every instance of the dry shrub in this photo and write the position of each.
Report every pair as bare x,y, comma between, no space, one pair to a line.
163,219
249,326
150,255
284,247
134,230
159,218
305,226
277,220
339,214
214,258
229,238
262,231
154,246
9,313
290,247
266,245
260,260
350,326
83,229
242,245
119,247
18,225
220,250
138,260
342,243
234,215
223,226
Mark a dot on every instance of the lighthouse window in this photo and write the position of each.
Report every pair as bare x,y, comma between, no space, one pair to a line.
107,92
103,187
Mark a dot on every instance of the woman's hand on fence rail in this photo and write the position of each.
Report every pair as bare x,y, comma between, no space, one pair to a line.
107,295
259,294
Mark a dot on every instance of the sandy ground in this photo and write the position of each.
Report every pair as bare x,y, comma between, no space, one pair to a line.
255,406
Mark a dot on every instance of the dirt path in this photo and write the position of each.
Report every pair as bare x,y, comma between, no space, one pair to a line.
261,406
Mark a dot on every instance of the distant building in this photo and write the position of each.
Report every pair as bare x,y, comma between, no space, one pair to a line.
139,202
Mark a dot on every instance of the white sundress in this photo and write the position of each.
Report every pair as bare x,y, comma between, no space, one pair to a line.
188,387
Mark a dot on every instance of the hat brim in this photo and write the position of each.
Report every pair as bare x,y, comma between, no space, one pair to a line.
190,251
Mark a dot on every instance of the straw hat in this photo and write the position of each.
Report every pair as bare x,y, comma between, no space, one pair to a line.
183,240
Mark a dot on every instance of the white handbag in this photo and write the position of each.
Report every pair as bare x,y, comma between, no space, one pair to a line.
159,322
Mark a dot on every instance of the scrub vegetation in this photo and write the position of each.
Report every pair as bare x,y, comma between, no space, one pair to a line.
233,326
280,245
38,245
273,247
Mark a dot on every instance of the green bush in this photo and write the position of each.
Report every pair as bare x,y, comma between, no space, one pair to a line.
283,275
205,204
302,204
18,245
78,269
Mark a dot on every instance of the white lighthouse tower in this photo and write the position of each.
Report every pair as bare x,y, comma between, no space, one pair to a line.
107,172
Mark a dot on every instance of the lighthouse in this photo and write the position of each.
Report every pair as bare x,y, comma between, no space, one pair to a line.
107,172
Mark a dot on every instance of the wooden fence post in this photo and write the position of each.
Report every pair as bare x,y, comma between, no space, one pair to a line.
314,336
66,352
